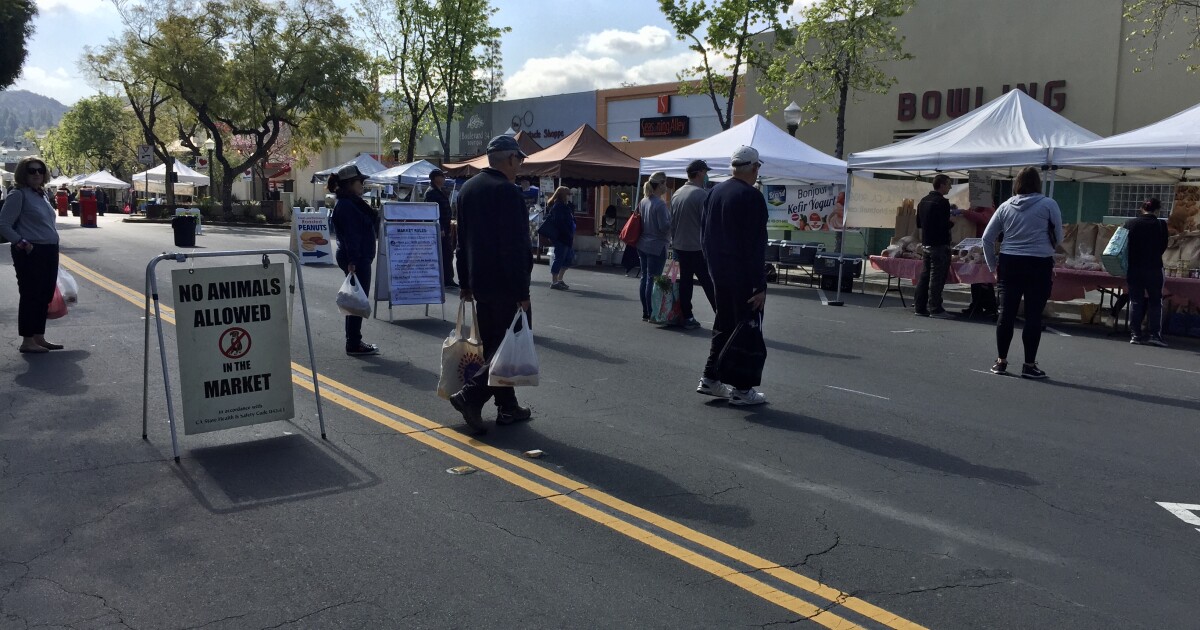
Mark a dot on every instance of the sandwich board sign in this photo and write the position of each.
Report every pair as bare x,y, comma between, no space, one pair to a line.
233,340
310,235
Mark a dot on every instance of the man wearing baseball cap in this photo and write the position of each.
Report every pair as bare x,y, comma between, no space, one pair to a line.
435,194
735,245
494,264
687,206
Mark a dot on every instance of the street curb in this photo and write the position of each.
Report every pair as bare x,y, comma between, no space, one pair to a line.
274,226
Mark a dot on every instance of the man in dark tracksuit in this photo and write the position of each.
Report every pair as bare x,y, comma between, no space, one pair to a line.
435,194
494,264
933,217
734,242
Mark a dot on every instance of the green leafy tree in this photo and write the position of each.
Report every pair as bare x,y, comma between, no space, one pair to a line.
839,48
252,69
16,27
98,132
404,61
723,33
463,45
1156,20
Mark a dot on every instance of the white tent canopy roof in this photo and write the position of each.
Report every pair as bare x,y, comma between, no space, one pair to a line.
412,173
102,179
1172,143
1013,130
58,181
783,156
158,174
366,164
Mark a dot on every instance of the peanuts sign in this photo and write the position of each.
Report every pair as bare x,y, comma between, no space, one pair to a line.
310,236
234,355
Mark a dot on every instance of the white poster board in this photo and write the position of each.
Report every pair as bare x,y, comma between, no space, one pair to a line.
872,202
981,189
410,211
311,239
233,341
804,208
414,263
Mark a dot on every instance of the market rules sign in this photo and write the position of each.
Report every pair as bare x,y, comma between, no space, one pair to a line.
234,353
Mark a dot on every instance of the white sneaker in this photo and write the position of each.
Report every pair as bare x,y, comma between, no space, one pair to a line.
716,389
747,397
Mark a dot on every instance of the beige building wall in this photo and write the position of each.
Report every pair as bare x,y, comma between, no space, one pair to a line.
988,44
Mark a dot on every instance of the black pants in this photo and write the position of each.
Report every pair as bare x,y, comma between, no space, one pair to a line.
693,264
1016,277
731,309
447,260
933,279
354,324
494,319
37,276
1145,296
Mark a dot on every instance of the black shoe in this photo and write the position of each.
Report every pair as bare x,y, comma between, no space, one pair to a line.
921,313
1154,340
363,350
1000,367
940,313
516,414
450,284
1137,341
1030,370
470,413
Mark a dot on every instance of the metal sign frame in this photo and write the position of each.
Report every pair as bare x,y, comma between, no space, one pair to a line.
383,261
152,296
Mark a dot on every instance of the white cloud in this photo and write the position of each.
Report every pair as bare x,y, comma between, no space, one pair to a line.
661,70
57,83
574,72
74,6
614,42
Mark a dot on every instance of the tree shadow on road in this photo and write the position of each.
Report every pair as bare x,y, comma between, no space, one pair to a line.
1135,396
626,480
889,446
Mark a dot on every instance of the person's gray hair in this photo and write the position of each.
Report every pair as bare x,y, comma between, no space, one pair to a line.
498,157
741,169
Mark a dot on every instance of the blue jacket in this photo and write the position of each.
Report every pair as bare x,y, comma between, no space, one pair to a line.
564,224
356,225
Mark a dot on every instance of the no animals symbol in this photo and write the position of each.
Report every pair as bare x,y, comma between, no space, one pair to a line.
234,343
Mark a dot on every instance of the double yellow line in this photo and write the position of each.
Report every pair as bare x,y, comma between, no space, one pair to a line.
590,503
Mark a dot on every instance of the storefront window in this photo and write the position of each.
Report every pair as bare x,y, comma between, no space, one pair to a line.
1124,200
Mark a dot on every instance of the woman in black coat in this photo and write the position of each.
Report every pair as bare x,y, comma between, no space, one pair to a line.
356,225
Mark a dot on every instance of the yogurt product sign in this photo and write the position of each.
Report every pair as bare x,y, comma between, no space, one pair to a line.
815,208
232,334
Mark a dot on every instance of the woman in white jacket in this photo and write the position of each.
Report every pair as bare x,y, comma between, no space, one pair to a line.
1029,226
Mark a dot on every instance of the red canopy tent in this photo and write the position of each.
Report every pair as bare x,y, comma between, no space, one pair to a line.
476,164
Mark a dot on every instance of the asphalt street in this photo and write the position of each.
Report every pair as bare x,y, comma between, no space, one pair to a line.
890,483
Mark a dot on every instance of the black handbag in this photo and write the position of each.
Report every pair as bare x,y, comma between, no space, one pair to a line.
742,359
549,228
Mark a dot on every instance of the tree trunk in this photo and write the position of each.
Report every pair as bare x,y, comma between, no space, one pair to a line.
168,184
227,176
411,144
843,93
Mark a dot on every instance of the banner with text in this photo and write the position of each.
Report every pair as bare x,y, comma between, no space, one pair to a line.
310,236
810,208
414,263
872,202
232,334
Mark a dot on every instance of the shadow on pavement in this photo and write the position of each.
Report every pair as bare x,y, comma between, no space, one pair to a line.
249,475
1120,393
427,326
402,371
888,446
639,485
573,350
56,372
784,346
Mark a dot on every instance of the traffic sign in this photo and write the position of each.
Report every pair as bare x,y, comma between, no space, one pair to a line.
145,154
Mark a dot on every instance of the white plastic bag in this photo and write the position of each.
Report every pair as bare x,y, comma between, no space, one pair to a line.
515,363
67,286
462,357
352,300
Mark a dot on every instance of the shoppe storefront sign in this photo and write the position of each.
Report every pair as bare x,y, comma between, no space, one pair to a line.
665,127
955,102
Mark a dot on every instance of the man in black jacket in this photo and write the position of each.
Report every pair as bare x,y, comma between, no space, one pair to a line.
933,217
435,194
1147,241
494,264
734,242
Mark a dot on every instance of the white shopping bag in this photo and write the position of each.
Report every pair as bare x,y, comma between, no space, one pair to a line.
515,363
67,286
462,357
352,300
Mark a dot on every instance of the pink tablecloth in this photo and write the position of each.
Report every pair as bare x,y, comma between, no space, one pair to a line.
1069,284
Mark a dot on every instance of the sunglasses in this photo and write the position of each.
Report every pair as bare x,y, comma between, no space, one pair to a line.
35,170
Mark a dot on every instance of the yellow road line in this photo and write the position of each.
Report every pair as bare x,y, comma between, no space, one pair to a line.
724,572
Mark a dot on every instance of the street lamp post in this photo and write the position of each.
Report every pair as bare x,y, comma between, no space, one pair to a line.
396,144
792,115
209,145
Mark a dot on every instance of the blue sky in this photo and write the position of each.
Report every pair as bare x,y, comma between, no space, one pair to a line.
555,46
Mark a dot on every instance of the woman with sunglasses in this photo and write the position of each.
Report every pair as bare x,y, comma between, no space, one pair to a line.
27,221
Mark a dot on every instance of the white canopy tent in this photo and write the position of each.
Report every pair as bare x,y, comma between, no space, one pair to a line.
410,174
59,181
154,180
783,157
1170,146
102,179
366,164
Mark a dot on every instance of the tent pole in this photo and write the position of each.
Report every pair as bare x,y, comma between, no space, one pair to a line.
842,237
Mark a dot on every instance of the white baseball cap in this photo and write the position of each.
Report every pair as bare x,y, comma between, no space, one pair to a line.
744,155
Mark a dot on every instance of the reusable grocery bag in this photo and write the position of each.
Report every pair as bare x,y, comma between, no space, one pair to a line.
68,286
664,297
515,363
632,232
58,306
352,300
462,357
742,359
1116,253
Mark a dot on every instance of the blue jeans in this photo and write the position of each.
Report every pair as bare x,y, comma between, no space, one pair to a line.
652,265
563,255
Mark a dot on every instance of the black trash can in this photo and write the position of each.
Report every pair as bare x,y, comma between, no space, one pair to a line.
185,231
